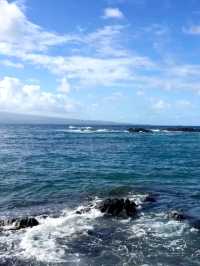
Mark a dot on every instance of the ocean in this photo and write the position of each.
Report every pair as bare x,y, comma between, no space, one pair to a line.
50,172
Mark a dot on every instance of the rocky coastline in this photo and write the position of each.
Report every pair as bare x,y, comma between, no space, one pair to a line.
110,207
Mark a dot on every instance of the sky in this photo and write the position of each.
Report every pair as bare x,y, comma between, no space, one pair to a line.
134,61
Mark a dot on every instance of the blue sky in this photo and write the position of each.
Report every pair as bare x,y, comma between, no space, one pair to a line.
131,61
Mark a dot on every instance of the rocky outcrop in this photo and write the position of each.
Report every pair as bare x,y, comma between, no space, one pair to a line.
183,129
19,223
139,130
171,129
180,216
149,198
118,207
84,210
177,216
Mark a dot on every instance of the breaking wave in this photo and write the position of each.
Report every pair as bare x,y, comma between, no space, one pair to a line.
48,242
85,239
87,130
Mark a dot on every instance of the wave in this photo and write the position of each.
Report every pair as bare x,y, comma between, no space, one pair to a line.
156,130
71,237
50,240
164,130
88,130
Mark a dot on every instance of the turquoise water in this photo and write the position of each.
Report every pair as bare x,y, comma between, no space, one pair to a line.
53,170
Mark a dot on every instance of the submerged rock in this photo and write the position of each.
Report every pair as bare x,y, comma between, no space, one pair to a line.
117,207
195,223
83,210
139,130
19,223
149,198
177,216
180,216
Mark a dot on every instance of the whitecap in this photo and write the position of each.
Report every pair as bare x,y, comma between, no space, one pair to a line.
41,243
156,130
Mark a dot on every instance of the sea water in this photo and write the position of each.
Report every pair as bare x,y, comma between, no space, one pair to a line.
50,172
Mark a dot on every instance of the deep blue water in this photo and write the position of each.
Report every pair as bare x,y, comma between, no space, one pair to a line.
53,170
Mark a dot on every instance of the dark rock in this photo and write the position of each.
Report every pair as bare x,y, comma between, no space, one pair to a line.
20,223
83,210
26,222
7,222
183,129
139,130
149,198
195,223
90,232
117,207
105,205
130,207
177,216
180,216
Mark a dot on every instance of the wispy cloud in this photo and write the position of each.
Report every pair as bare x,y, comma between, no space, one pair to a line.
9,63
107,41
93,71
160,105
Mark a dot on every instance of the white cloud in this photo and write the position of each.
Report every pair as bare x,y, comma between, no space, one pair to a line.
89,71
64,86
30,98
86,71
185,70
101,58
107,41
18,34
110,63
113,13
160,105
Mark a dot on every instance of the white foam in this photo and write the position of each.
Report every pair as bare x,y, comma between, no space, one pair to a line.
159,231
155,130
138,199
158,226
50,241
72,127
41,242
88,130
